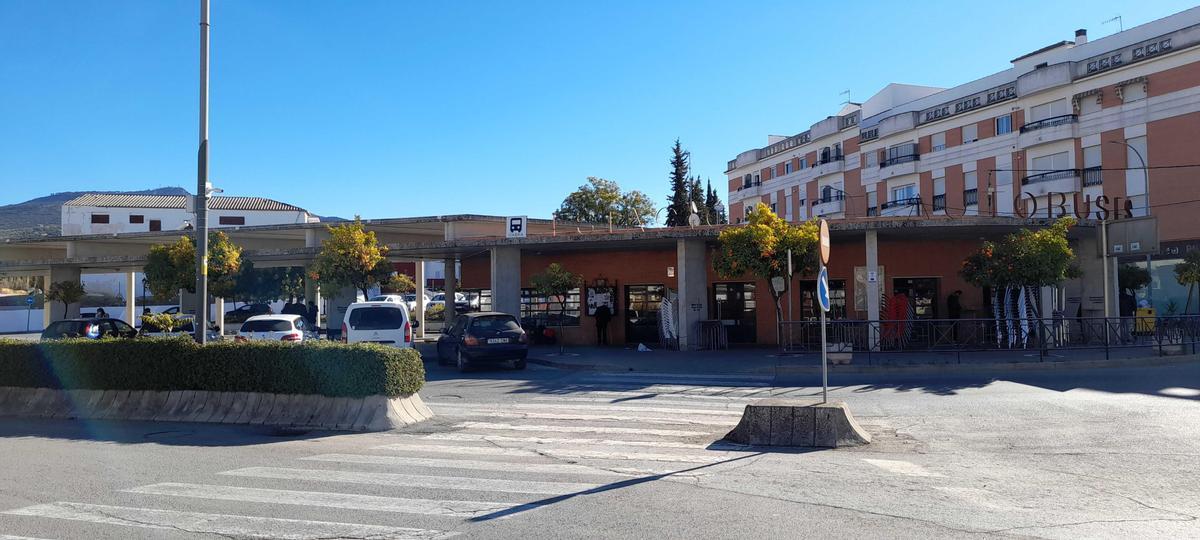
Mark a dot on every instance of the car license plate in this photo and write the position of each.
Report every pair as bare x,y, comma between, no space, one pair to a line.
498,340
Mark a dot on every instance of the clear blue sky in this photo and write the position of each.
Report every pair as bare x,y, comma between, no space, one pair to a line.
400,108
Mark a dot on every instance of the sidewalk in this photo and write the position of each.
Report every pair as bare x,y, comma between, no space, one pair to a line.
768,361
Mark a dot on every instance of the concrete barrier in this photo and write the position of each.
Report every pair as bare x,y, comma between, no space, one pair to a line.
370,413
802,423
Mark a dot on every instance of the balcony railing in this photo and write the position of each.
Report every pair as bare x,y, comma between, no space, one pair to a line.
1049,122
1049,176
970,197
899,159
830,159
1093,176
872,211
939,202
756,183
911,201
830,197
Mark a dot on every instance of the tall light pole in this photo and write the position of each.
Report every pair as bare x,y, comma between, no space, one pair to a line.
1146,194
201,206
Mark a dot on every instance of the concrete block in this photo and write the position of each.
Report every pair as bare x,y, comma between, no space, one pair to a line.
279,408
374,415
59,405
802,426
262,410
330,417
353,408
787,422
835,427
218,407
167,412
237,406
149,404
112,403
90,405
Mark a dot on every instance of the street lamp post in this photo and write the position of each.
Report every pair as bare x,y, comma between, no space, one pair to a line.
201,205
1146,195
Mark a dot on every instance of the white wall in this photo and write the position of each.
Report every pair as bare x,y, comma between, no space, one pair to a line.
77,220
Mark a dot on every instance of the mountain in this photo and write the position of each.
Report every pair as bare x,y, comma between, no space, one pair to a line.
42,216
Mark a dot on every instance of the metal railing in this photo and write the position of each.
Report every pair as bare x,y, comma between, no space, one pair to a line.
1049,122
830,159
1055,337
939,202
1050,175
971,197
899,159
911,201
830,197
872,211
1093,176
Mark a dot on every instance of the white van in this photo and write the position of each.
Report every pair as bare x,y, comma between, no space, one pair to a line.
378,322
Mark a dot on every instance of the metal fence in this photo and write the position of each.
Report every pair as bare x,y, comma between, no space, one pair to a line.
1040,337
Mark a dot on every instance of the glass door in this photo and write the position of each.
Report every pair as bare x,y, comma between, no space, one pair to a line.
642,303
735,305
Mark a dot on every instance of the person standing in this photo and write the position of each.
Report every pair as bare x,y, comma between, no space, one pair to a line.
954,311
603,317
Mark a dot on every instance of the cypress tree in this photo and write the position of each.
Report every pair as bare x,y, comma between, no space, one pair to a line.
677,207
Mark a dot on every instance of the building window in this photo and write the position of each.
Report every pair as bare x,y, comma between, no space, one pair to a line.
538,310
773,209
135,218
1133,92
803,163
787,168
1092,174
871,158
1053,109
155,225
872,203
970,180
939,141
231,220
746,181
970,133
1003,124
757,180
99,218
1051,163
907,191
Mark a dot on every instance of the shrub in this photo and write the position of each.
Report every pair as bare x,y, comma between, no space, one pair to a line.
325,368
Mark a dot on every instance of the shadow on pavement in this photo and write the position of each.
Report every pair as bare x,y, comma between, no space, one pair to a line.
164,433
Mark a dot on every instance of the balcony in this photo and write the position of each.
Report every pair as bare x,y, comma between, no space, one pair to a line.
828,165
1093,176
1055,128
902,207
872,211
899,165
970,197
828,206
939,202
1061,181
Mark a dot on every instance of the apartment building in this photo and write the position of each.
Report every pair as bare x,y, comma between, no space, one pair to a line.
1099,129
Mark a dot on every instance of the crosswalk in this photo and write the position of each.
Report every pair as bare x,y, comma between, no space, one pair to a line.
485,461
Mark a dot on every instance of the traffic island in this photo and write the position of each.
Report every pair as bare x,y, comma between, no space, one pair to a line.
800,423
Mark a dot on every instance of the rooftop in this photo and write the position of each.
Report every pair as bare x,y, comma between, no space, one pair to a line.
108,200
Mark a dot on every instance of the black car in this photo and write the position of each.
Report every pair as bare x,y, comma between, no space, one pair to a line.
483,337
242,313
89,328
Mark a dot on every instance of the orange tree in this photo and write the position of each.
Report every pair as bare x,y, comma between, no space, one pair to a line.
760,248
171,267
1025,258
351,257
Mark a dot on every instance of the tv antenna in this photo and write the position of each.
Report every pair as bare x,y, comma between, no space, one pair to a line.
1120,22
847,94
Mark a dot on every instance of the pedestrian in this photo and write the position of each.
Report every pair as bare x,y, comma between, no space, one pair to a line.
603,316
101,314
954,311
311,315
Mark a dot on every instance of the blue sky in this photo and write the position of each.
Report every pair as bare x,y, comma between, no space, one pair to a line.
394,108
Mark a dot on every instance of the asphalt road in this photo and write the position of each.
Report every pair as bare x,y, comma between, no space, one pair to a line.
548,454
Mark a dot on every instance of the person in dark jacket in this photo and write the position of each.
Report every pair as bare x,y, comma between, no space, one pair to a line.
603,317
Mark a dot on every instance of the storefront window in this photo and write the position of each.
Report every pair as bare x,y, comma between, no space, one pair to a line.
538,310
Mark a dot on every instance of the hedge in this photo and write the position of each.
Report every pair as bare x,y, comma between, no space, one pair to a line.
319,367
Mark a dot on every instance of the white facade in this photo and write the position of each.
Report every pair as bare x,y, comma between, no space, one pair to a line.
114,214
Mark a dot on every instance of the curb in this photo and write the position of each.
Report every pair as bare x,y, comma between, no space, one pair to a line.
296,411
991,367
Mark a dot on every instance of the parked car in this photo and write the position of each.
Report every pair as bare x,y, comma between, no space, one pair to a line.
393,298
242,313
461,305
274,328
410,300
173,310
483,337
378,322
89,328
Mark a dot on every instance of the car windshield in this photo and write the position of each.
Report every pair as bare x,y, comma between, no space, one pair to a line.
376,318
269,325
64,328
495,323
380,299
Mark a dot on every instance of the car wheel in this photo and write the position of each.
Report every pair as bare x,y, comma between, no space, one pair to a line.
519,363
461,361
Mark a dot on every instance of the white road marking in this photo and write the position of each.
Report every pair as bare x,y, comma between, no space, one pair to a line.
633,456
581,429
901,467
676,421
223,524
449,449
648,396
11,537
556,440
436,482
349,501
694,403
606,408
557,452
501,466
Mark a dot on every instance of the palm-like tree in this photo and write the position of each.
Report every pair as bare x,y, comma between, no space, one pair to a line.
1188,273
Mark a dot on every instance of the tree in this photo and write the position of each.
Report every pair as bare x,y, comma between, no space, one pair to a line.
677,209
163,322
556,282
696,197
1023,259
351,257
760,247
400,283
1131,278
171,267
711,200
68,292
600,199
1188,273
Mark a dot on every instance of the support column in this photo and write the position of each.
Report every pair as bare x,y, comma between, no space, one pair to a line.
693,291
419,297
506,280
47,306
873,289
131,314
451,288
57,274
219,315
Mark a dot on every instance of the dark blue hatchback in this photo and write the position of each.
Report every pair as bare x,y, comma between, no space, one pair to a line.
484,337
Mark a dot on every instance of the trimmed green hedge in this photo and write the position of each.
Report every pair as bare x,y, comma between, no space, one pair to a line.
318,367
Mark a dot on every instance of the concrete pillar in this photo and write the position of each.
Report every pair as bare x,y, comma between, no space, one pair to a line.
873,289
218,314
693,291
57,274
450,288
506,280
419,303
47,306
131,314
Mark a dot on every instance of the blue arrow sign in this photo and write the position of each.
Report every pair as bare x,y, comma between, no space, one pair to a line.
823,289
29,300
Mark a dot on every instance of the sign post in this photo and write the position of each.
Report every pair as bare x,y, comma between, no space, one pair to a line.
28,310
823,298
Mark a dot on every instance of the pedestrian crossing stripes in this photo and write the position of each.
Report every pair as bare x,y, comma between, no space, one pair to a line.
563,440
676,421
224,524
349,501
502,466
581,429
605,408
410,480
558,452
11,537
